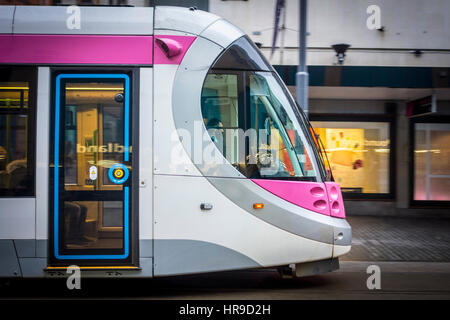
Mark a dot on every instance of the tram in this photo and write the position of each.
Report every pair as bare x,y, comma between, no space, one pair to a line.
148,142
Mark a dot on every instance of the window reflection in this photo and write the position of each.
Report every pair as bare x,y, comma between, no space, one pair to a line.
15,175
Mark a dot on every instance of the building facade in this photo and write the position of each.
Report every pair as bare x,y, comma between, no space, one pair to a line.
386,161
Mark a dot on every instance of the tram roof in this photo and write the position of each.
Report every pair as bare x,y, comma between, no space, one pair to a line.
104,20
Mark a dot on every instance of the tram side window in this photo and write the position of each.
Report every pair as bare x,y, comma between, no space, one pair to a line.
16,107
221,112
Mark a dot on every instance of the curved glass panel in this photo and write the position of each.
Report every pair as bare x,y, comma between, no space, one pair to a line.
242,55
278,131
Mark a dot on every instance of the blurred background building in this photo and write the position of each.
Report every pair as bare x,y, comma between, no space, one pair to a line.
387,161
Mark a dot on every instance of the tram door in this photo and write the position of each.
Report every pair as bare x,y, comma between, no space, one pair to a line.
91,222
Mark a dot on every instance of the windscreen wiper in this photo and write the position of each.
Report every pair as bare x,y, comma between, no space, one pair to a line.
319,143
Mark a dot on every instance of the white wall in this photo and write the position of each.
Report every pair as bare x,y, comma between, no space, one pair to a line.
409,24
17,218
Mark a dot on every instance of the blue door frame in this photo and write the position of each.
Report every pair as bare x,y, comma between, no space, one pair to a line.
56,155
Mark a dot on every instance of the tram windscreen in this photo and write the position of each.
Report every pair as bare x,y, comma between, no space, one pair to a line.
252,122
283,135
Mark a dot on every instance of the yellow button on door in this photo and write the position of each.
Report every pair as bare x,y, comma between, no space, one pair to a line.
118,173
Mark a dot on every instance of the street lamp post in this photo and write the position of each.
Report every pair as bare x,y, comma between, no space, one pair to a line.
302,77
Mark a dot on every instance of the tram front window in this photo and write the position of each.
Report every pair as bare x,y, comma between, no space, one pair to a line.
256,128
276,130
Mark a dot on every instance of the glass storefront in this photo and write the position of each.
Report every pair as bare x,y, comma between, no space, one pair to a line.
431,161
359,154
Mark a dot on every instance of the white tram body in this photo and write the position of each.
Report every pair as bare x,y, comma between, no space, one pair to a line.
119,108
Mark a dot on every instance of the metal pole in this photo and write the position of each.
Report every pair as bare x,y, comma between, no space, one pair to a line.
282,33
302,77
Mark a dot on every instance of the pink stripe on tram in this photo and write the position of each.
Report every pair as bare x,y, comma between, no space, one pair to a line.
76,49
308,195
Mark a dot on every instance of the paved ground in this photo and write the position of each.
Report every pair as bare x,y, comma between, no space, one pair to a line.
399,239
413,255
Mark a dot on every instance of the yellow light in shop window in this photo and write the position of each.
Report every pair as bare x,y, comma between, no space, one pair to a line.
258,205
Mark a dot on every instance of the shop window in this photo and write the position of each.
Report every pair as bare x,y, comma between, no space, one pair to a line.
432,161
16,132
359,154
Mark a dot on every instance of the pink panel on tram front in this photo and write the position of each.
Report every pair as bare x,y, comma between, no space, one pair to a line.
177,46
308,195
76,49
336,201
